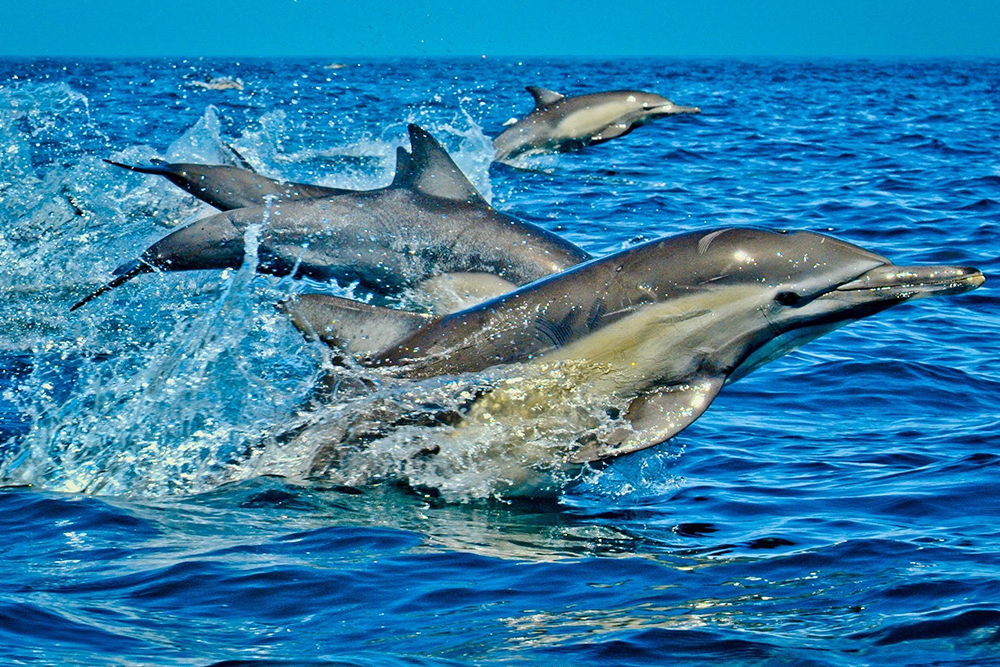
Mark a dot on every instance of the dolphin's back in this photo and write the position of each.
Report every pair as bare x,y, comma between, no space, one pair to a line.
395,238
518,326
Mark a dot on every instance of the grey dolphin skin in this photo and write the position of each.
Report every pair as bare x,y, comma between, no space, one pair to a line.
661,326
226,187
560,123
429,221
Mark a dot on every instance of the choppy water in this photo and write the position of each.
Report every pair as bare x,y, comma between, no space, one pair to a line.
838,507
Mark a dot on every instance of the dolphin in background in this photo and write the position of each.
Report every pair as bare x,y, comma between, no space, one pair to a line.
654,331
225,187
428,225
560,123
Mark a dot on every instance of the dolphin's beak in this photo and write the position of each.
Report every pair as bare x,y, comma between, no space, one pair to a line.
912,282
672,109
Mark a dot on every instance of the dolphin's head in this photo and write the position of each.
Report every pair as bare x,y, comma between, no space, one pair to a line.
809,309
776,291
647,106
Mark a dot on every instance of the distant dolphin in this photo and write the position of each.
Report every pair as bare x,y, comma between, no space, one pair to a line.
218,83
561,123
226,187
429,221
658,328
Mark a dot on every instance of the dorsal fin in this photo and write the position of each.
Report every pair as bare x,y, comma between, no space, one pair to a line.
543,96
404,167
356,327
431,171
235,158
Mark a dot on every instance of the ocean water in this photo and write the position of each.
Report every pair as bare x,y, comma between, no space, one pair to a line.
837,507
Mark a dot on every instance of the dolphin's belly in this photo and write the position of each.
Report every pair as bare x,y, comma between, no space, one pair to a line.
680,341
584,124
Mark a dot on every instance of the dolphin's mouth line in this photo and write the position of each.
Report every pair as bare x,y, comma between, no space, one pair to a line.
771,324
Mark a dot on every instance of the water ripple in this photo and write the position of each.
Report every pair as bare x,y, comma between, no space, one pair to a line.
837,507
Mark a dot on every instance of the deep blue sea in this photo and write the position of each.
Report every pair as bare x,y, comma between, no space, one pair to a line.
837,507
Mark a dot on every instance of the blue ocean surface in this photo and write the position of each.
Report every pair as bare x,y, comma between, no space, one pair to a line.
837,507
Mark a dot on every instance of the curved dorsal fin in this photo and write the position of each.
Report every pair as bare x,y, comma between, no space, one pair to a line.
543,96
236,158
431,171
404,165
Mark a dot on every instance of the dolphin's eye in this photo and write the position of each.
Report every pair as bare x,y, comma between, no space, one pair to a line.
787,298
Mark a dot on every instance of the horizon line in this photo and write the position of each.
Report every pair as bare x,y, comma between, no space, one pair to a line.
466,56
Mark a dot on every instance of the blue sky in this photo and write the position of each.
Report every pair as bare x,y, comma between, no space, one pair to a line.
483,27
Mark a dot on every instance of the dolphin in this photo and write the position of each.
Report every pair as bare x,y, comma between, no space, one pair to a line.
226,188
654,331
560,123
430,221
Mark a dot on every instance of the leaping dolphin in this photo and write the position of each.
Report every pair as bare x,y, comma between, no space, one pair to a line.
560,123
656,329
430,221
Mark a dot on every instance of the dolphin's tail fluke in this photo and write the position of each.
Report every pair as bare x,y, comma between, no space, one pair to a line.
123,273
158,167
359,328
